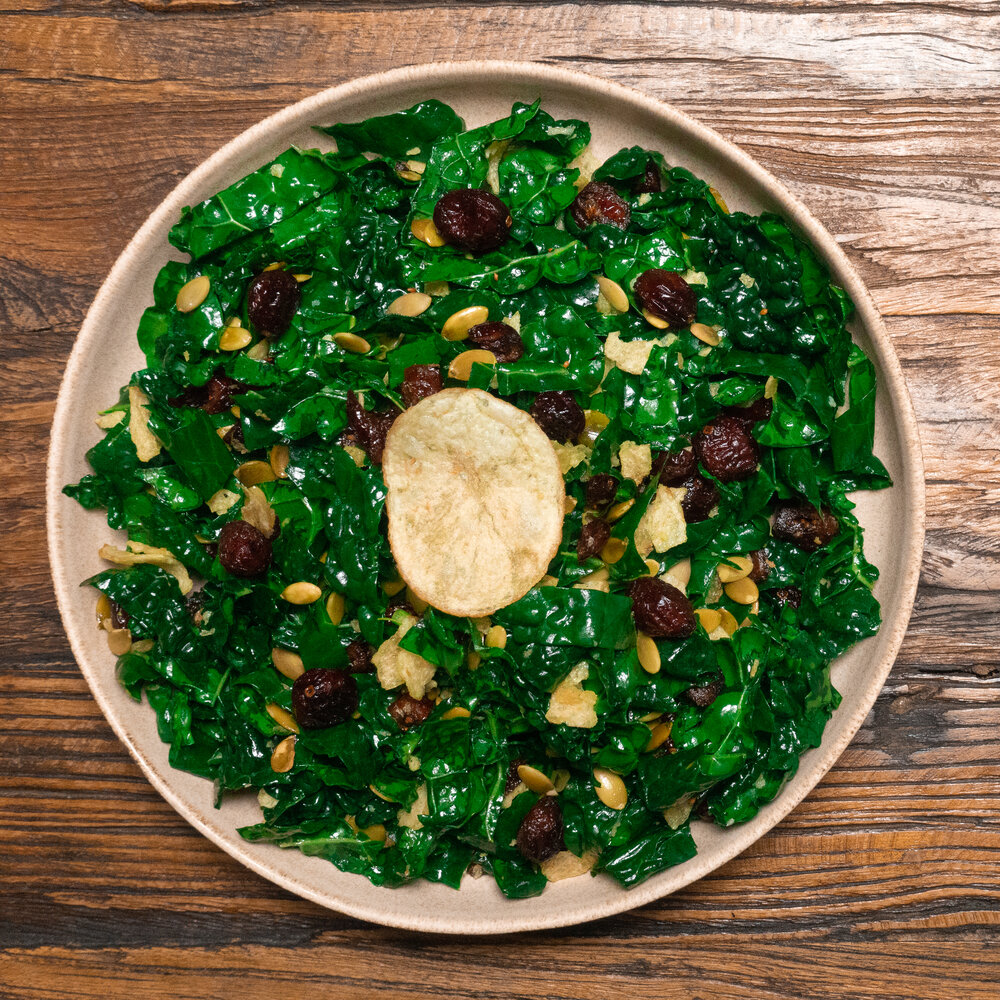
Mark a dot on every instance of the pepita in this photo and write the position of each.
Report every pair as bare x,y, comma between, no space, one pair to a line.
610,788
415,601
741,569
279,458
301,278
594,423
234,338
654,321
119,641
648,653
301,592
658,736
620,510
458,712
710,618
727,621
613,550
614,293
409,304
352,343
254,473
496,638
770,387
288,663
537,781
283,755
193,293
426,232
461,366
103,610
458,324
283,717
260,350
335,608
706,334
392,587
742,591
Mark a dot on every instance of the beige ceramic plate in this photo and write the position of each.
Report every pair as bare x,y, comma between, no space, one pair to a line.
106,354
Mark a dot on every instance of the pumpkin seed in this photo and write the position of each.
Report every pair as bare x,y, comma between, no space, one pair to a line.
458,325
458,712
254,473
393,587
658,736
260,350
613,550
594,423
727,621
234,338
719,200
283,755
119,641
537,781
410,304
654,321
301,278
741,569
193,293
770,387
706,334
653,566
352,343
473,659
301,592
335,608
620,510
648,652
614,293
415,601
103,610
461,366
283,717
279,458
742,591
426,232
679,575
610,788
287,663
496,638
710,618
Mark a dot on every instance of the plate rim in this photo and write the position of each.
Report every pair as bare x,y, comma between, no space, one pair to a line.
893,383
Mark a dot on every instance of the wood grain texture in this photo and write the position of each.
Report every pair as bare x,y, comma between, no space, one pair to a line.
885,118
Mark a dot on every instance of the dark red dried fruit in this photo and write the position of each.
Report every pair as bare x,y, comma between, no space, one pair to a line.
540,835
215,396
369,428
500,338
419,382
272,299
409,711
726,450
323,697
787,595
660,610
667,295
359,656
703,695
599,203
600,490
649,181
752,413
513,778
234,439
760,568
119,616
593,538
194,602
803,525
473,220
700,496
674,467
558,414
243,550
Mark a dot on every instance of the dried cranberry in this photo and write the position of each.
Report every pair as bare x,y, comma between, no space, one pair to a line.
593,538
540,834
558,414
649,181
359,656
727,450
600,490
674,467
370,428
791,596
243,550
409,711
760,568
513,778
667,295
803,525
322,697
215,396
703,695
752,413
419,382
234,439
119,616
194,602
660,610
700,496
473,220
500,338
272,300
599,202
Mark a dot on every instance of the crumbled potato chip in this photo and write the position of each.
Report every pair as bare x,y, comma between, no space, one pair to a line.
220,501
474,499
570,703
147,444
410,818
397,666
570,455
257,511
586,162
567,865
677,815
663,525
137,552
631,356
108,420
636,460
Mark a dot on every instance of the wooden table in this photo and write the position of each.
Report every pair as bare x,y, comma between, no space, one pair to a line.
885,118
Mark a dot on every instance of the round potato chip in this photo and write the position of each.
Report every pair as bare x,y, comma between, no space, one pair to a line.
474,499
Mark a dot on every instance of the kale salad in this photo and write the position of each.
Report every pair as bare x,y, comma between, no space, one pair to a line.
695,380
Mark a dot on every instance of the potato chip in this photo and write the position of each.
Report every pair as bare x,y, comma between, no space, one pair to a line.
474,499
